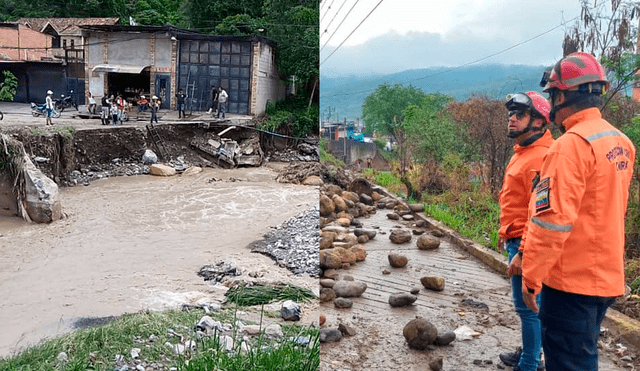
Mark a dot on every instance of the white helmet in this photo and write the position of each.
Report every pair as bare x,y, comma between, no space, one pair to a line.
154,97
142,97
49,92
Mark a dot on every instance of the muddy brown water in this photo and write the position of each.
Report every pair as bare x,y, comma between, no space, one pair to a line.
134,243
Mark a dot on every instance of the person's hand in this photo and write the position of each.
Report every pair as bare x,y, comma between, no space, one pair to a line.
515,267
530,299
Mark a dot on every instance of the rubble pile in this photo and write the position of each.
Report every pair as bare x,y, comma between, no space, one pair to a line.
228,152
299,172
304,152
294,244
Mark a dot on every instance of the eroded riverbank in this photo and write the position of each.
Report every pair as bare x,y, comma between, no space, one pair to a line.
132,243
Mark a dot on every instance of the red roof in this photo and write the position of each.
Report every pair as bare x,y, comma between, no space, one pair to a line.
59,24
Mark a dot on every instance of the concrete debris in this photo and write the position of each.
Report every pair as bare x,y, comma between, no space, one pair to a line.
290,311
294,244
298,172
219,271
42,199
149,157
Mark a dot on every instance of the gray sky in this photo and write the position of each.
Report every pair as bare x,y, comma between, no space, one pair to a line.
410,34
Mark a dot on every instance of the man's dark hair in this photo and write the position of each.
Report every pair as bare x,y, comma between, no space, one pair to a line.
584,100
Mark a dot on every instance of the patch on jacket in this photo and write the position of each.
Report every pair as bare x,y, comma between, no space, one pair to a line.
542,195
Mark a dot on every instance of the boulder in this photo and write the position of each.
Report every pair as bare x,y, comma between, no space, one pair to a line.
397,260
332,189
330,260
351,196
326,282
290,311
376,196
342,303
401,299
326,242
349,289
371,233
419,333
359,251
327,294
328,335
339,202
327,206
360,186
192,171
161,170
346,329
366,199
331,274
363,239
42,200
313,180
437,232
149,157
407,217
426,242
436,364
416,208
400,236
343,222
433,283
393,216
446,338
346,255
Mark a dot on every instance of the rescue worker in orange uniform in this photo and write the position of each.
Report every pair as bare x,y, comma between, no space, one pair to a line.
574,244
528,118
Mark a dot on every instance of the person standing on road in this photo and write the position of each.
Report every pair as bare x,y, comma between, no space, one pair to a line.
214,100
50,107
528,118
574,244
106,107
222,102
154,107
181,97
92,104
120,102
114,112
143,104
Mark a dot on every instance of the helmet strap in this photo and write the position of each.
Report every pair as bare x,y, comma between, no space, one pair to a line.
515,134
533,138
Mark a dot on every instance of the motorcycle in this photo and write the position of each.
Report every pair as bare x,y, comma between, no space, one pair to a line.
65,102
41,110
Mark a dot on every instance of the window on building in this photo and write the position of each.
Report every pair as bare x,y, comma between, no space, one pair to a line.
72,43
64,43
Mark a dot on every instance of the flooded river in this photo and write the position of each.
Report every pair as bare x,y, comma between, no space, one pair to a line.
132,243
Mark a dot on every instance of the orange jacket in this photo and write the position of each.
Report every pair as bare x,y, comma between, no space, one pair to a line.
515,194
575,238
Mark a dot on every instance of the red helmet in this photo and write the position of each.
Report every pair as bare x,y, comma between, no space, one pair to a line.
530,100
575,70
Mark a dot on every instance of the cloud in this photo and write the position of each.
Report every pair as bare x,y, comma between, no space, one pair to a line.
393,52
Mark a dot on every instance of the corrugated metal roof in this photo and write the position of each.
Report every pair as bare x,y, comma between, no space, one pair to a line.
59,24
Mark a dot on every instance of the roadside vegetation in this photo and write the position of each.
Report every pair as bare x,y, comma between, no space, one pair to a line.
156,335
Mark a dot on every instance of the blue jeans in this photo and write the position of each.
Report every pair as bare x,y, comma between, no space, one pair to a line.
222,108
531,334
570,329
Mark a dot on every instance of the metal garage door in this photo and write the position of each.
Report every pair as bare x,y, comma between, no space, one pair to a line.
204,63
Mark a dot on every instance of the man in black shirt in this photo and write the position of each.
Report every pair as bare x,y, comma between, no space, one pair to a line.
181,99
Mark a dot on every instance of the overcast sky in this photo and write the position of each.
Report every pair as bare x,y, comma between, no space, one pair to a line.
409,34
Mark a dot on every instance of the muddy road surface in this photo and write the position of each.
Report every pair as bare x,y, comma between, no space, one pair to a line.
134,243
474,296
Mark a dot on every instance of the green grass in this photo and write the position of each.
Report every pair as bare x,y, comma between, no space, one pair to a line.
326,157
258,295
96,348
475,214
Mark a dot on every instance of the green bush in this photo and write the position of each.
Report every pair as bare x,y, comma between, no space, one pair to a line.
294,114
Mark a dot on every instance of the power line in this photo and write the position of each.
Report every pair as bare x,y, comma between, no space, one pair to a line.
463,65
337,28
327,11
354,30
335,15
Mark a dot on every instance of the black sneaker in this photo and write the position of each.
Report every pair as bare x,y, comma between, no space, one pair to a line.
511,359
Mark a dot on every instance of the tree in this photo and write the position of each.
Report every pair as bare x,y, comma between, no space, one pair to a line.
8,86
486,121
383,111
607,30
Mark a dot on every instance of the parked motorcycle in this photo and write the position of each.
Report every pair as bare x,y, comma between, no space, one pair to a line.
41,110
65,102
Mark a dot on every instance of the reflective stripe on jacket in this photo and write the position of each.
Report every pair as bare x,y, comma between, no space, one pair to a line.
515,194
575,238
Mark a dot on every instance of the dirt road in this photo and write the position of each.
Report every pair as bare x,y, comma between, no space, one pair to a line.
131,243
379,343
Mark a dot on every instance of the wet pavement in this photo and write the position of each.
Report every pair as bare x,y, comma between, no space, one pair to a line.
379,343
134,243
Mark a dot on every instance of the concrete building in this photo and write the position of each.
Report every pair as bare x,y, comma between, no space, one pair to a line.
153,60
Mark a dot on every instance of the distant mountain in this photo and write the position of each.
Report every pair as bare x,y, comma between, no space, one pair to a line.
344,95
